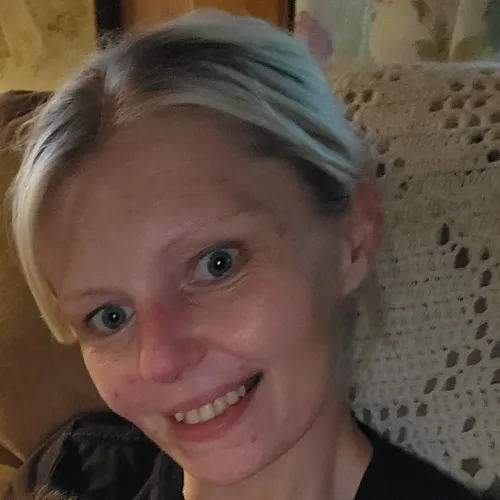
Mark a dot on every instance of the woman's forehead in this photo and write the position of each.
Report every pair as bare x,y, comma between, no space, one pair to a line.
180,173
181,163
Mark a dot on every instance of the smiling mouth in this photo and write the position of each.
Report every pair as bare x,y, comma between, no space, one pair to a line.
217,407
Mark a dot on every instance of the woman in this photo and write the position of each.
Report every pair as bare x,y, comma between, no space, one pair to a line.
196,213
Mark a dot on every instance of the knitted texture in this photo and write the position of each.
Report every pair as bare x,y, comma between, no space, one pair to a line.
431,381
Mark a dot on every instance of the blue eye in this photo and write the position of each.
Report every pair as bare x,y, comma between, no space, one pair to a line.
216,264
110,318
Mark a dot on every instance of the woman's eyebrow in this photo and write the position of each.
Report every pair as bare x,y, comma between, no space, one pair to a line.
206,228
84,292
194,231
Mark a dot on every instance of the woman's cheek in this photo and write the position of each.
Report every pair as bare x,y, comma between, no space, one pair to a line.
259,320
123,396
230,322
116,385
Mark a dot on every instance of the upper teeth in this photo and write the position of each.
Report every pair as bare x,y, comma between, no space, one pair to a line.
211,410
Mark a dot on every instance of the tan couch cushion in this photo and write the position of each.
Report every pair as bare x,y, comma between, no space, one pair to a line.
41,382
432,380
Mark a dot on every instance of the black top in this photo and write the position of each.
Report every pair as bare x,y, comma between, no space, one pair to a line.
100,456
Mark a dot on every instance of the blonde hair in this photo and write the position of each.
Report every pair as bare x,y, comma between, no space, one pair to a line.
238,66
45,493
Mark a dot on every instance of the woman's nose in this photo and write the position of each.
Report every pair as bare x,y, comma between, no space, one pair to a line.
168,348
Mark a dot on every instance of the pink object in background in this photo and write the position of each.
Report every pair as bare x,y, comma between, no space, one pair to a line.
314,35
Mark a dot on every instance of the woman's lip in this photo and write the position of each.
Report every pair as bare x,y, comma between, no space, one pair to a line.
209,397
217,427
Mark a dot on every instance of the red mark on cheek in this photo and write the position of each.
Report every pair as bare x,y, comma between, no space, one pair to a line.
119,400
123,390
129,382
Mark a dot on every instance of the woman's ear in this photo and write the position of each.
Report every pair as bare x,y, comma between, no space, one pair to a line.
361,234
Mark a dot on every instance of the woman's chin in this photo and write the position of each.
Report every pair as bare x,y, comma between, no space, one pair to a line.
234,463
227,448
223,469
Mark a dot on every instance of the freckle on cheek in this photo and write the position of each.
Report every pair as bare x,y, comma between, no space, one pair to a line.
123,388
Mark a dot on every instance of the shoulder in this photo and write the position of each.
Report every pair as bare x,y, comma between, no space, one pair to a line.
95,455
394,474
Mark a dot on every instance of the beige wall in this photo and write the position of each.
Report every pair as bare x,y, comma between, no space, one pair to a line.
42,41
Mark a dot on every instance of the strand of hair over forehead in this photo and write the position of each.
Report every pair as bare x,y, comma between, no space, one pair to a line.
283,90
272,83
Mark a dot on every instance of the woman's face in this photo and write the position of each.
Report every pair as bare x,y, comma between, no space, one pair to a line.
203,285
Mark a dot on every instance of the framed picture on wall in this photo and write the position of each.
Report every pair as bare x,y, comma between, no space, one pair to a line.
43,41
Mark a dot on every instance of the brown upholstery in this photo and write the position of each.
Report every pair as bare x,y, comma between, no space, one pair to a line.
42,383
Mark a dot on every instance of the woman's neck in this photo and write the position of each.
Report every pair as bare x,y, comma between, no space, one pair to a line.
327,463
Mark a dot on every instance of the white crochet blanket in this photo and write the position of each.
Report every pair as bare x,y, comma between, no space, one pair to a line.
431,380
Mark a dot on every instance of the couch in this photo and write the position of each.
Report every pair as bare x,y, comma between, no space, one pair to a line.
42,383
429,377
